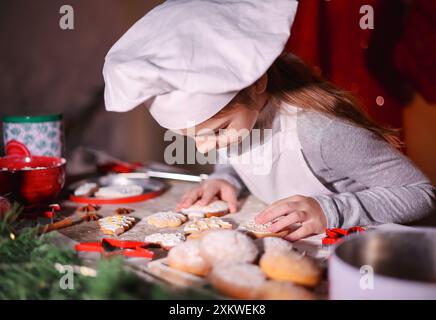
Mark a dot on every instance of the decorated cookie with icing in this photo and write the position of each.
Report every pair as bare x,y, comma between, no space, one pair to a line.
214,209
204,224
166,219
165,240
260,230
116,225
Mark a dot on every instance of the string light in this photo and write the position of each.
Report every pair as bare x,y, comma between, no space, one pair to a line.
380,101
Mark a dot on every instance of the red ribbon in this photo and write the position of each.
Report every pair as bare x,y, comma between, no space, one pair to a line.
334,235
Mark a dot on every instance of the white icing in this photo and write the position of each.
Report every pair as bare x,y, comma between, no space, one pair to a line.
207,224
85,189
197,210
165,239
119,191
252,226
116,223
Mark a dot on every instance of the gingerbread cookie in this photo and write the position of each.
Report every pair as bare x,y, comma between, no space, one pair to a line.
277,290
204,224
261,230
216,208
291,266
227,247
165,240
186,257
116,225
166,219
239,281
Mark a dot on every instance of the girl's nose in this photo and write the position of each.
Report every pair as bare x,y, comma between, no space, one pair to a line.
205,145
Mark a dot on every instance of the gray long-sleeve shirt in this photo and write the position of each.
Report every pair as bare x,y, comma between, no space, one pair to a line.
372,182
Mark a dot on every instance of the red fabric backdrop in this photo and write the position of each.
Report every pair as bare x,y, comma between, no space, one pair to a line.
382,66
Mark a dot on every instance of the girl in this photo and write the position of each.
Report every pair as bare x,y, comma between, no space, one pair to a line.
362,176
216,65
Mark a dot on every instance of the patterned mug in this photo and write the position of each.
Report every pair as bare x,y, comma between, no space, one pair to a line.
41,134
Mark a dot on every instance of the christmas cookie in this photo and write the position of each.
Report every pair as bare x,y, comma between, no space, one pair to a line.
166,219
116,225
227,247
216,208
277,290
119,191
239,281
165,240
291,266
261,230
186,257
274,245
204,224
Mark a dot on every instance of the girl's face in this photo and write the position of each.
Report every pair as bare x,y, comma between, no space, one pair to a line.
232,125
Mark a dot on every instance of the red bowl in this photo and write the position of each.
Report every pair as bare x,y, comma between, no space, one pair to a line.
32,179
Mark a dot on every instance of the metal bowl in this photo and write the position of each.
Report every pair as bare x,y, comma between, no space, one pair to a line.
398,264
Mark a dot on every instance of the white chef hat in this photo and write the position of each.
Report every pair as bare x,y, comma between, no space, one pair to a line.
186,59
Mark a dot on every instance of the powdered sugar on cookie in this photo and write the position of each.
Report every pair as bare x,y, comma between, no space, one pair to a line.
217,207
166,219
228,247
204,224
252,226
116,225
166,240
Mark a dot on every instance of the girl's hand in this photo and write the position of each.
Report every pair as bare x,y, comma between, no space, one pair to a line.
207,191
295,209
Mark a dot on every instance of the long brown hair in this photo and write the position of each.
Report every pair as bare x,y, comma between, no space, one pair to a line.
292,81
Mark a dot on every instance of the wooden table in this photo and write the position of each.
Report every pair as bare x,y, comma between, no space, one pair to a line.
89,231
